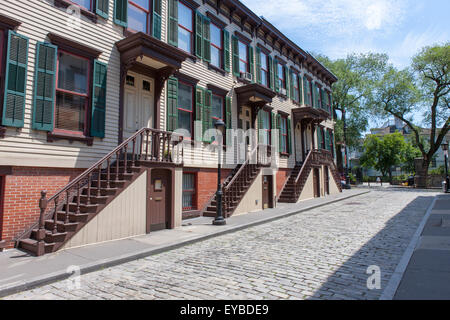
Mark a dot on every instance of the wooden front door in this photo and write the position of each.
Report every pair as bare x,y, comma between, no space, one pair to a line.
159,199
267,192
316,180
245,123
327,180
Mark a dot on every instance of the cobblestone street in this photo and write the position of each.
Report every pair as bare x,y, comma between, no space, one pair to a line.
319,254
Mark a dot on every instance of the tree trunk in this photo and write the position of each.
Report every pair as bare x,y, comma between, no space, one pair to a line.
339,160
421,177
390,176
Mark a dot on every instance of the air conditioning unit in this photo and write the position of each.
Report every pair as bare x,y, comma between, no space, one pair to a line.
247,76
283,91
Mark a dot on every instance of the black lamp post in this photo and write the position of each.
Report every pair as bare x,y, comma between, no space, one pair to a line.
347,178
219,220
447,179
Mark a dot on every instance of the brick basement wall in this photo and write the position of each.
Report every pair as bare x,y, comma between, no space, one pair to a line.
282,175
22,194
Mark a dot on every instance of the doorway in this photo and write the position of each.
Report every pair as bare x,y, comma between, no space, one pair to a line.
159,204
316,181
267,192
327,180
245,123
138,103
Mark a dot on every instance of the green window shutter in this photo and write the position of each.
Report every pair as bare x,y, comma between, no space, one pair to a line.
305,91
15,82
156,24
258,65
271,79
280,135
275,75
173,23
198,34
235,47
251,62
226,50
121,13
260,126
102,8
291,84
99,100
228,120
207,119
327,140
206,39
300,89
199,101
44,86
289,138
172,104
286,79
319,138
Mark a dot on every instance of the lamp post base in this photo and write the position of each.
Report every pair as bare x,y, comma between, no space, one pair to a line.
219,222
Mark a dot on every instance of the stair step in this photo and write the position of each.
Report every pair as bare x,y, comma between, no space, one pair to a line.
122,176
209,213
81,217
103,191
32,246
112,183
94,199
55,237
84,208
61,226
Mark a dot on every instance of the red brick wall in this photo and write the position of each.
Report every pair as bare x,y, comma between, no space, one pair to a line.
22,193
282,175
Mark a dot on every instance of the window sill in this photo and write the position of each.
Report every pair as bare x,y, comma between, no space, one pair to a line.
282,95
193,58
217,69
52,136
242,80
296,103
88,14
284,154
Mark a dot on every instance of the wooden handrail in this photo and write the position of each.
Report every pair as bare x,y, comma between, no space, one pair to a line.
241,169
305,163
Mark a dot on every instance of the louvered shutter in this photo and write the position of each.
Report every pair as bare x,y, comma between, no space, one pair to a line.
207,119
172,104
121,13
305,91
286,79
271,78
199,103
44,86
173,23
226,50
99,100
102,8
273,118
156,23
206,39
291,84
319,138
15,82
228,121
260,127
275,75
300,89
198,34
235,45
289,138
258,65
280,134
251,62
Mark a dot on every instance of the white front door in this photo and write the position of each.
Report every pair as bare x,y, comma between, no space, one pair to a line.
245,119
138,103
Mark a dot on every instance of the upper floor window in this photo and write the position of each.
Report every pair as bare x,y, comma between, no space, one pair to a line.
243,57
281,76
185,106
185,27
264,70
72,93
216,46
295,94
217,108
284,134
87,4
139,15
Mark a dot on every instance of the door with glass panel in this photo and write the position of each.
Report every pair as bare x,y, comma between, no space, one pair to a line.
245,123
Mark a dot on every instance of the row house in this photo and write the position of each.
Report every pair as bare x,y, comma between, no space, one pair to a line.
108,113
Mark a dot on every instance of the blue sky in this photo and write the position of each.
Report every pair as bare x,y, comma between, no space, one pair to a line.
338,27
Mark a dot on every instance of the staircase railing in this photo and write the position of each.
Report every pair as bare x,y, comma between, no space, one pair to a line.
145,145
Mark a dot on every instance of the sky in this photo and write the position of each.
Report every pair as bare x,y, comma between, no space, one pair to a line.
336,28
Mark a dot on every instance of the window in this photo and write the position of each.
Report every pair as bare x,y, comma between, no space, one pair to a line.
264,70
243,57
139,14
284,135
295,94
185,27
310,90
188,191
2,75
185,106
281,79
217,108
72,93
265,125
216,46
323,141
83,3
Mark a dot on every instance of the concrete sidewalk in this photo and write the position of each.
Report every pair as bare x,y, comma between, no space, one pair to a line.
427,275
19,271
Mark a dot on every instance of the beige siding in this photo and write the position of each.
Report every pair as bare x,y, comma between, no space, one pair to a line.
124,217
252,201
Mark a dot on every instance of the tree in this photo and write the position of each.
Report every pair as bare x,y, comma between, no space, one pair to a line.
357,75
384,153
423,88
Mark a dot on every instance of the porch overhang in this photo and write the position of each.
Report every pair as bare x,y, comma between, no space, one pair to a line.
309,115
254,95
143,49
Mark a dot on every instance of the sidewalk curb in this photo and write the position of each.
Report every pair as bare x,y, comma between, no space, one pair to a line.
106,263
396,278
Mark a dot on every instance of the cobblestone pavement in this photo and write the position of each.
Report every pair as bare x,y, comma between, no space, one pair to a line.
319,254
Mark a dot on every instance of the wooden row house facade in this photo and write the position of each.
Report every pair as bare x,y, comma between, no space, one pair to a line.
107,109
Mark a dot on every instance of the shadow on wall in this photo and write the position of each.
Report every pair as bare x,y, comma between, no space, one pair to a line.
383,251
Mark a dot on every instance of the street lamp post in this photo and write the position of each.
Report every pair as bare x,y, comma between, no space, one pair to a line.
347,178
219,220
447,179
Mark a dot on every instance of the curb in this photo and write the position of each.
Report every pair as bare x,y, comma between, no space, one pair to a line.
394,281
106,263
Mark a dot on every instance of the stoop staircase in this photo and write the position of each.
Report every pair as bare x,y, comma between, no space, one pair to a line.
239,181
71,208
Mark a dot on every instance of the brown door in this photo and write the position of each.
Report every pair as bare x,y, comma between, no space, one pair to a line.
267,192
327,180
159,200
316,179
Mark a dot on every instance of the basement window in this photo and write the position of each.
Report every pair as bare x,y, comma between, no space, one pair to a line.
188,201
